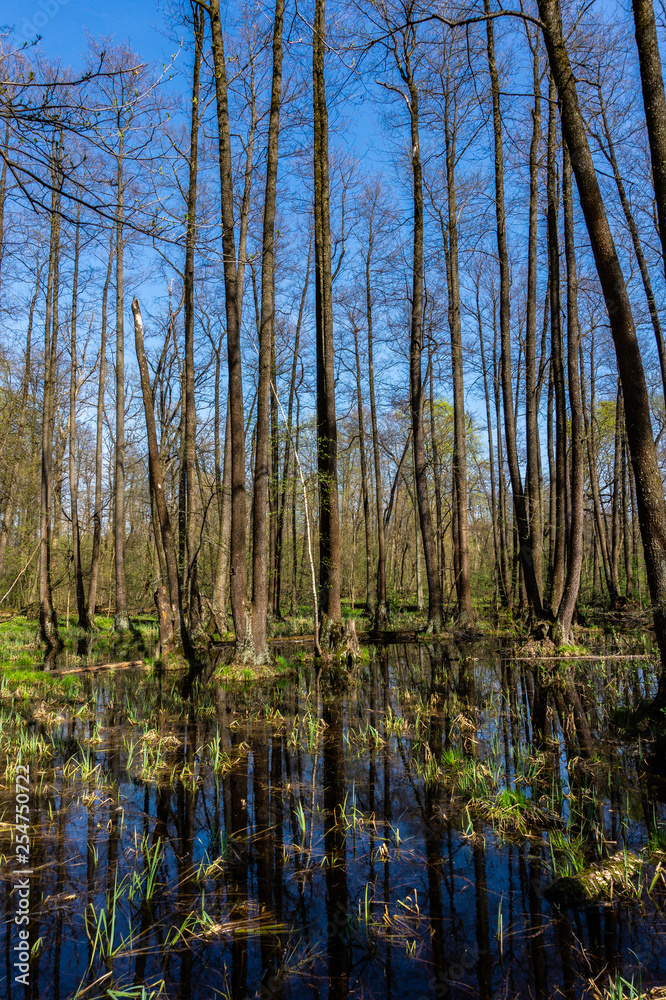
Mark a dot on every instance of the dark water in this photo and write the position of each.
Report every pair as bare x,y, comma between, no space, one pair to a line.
337,849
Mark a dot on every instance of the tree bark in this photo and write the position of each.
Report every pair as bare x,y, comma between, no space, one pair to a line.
654,102
520,507
435,607
463,577
157,480
73,483
369,567
279,545
97,511
635,239
327,439
259,652
649,488
533,445
48,619
234,355
381,609
190,588
577,460
121,619
558,568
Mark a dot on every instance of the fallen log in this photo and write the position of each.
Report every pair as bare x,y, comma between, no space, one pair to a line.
123,665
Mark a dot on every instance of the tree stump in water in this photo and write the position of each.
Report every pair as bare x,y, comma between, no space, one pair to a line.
338,638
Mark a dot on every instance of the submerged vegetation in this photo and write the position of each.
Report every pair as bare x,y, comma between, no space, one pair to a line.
320,830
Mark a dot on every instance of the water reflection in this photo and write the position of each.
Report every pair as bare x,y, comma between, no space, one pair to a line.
333,837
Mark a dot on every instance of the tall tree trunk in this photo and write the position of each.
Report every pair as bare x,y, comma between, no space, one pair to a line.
520,507
635,239
381,610
501,590
654,102
649,488
435,607
557,362
369,567
505,575
73,483
47,617
234,355
97,512
533,445
327,435
157,481
121,619
577,462
279,542
616,530
626,523
259,651
436,467
599,519
463,577
190,589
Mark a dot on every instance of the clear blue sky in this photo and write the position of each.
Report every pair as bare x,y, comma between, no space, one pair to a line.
65,24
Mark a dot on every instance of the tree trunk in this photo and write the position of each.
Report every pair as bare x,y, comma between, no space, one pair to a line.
532,478
121,619
237,424
558,568
577,459
279,542
381,610
190,589
97,512
327,439
463,577
369,567
435,607
635,239
259,652
649,488
47,617
73,484
157,481
654,102
520,507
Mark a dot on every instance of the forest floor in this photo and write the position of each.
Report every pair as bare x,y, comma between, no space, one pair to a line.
414,819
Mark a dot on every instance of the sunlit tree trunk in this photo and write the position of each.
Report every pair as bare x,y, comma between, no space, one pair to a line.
47,617
327,443
577,455
101,385
260,652
234,355
73,483
520,507
189,583
649,487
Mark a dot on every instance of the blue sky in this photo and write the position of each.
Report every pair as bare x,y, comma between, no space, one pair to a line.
64,25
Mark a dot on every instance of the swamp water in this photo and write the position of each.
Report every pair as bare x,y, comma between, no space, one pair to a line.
387,833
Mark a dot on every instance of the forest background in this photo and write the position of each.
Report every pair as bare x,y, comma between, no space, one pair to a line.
366,222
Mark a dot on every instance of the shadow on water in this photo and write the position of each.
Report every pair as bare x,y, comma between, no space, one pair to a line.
388,833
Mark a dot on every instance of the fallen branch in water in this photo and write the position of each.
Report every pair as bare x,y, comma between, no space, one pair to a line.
124,665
